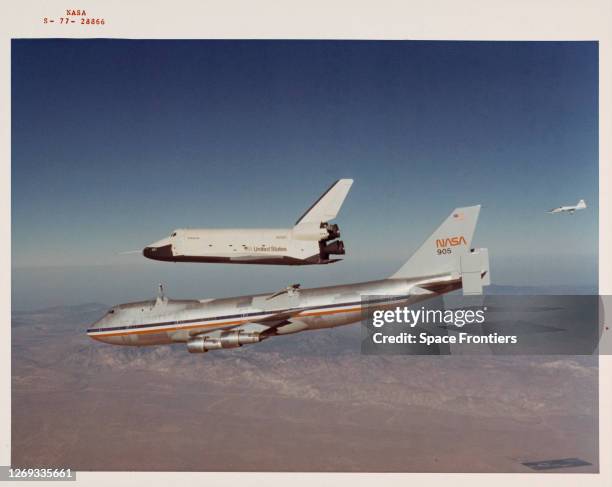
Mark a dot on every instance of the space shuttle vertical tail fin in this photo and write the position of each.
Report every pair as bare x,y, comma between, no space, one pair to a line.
444,249
328,205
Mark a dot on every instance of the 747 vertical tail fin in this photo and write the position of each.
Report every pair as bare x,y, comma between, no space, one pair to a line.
448,251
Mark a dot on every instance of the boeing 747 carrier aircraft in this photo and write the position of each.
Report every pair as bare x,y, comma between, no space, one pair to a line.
444,263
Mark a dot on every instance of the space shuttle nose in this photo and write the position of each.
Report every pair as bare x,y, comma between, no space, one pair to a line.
158,253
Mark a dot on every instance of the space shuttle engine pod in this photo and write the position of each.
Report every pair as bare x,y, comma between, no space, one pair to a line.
324,233
312,231
333,248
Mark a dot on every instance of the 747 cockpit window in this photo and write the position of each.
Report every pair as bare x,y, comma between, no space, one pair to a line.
173,234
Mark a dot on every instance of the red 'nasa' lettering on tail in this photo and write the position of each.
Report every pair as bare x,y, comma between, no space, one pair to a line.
450,242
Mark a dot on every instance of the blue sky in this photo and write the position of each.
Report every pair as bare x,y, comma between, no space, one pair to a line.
117,142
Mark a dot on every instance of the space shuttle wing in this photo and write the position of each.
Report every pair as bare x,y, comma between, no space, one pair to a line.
328,205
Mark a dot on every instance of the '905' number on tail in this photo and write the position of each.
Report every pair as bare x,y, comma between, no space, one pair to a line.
447,250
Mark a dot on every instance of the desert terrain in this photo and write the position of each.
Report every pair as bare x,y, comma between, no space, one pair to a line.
307,402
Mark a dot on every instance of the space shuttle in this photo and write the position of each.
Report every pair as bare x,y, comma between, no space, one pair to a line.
581,205
312,240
